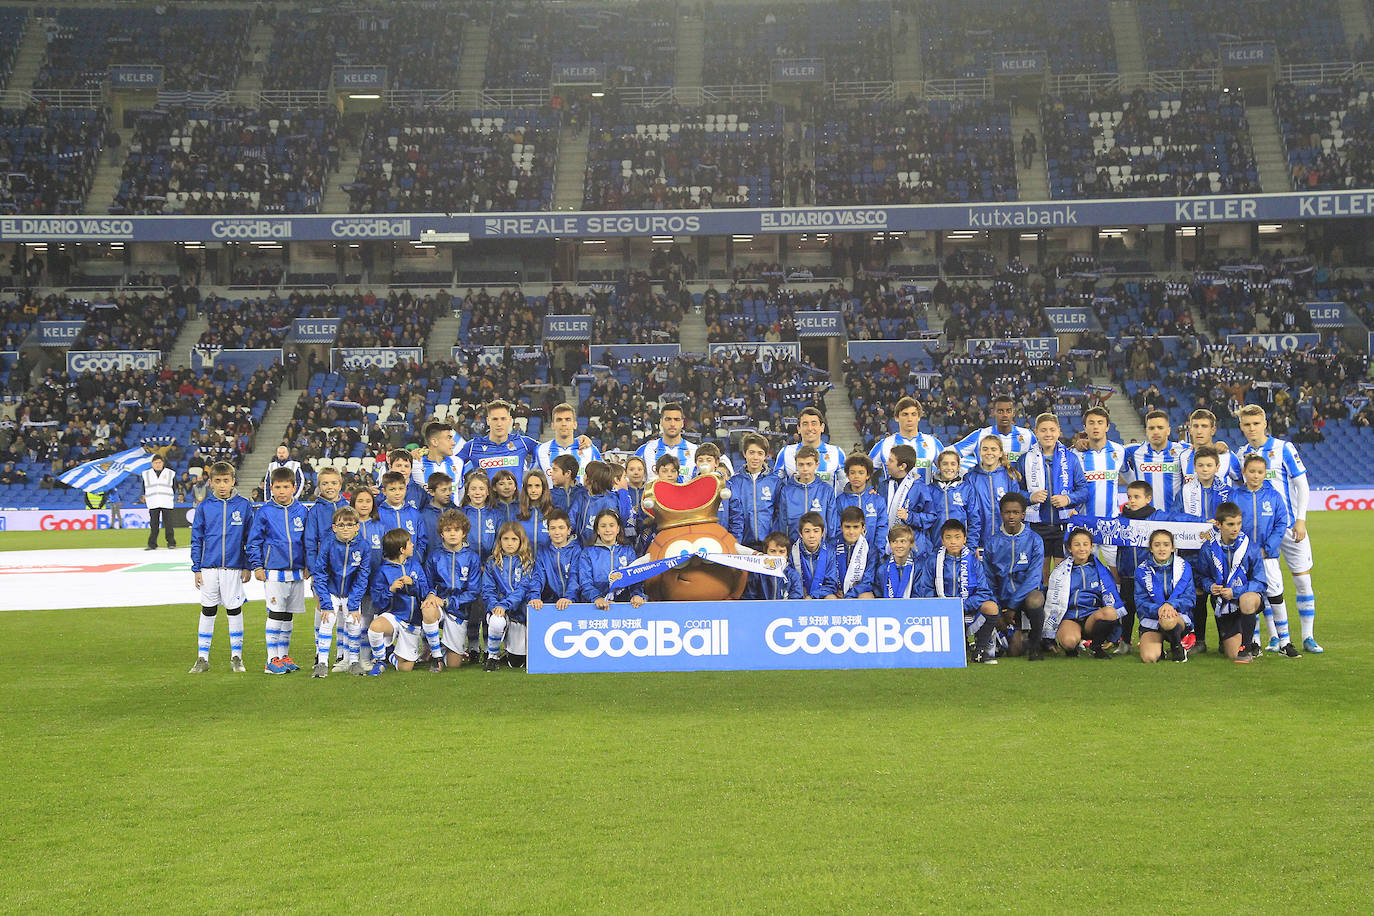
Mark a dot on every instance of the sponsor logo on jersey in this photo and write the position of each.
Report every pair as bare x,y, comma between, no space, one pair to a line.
503,461
1099,476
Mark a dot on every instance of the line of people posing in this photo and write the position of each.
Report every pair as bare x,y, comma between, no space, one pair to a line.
423,571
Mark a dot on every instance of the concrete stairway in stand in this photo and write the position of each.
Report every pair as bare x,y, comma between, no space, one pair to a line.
571,172
1270,161
180,357
269,436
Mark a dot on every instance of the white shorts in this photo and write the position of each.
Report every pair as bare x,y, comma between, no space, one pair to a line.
454,634
222,586
1107,554
1297,554
285,597
406,638
1274,574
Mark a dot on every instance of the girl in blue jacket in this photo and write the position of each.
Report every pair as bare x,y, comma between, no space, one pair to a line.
1082,602
1164,599
988,482
950,499
600,558
508,583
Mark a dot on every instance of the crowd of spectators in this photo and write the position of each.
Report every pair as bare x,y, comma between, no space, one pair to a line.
127,321
507,319
745,389
250,324
417,43
198,47
431,160
915,151
1143,144
632,45
960,37
48,158
853,37
64,421
402,319
759,312
229,160
627,312
1186,36
672,157
1329,133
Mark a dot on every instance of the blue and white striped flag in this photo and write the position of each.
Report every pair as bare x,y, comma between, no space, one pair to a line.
100,474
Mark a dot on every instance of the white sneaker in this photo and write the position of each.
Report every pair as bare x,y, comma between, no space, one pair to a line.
341,664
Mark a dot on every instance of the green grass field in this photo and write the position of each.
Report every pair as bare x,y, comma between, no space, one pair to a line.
1069,785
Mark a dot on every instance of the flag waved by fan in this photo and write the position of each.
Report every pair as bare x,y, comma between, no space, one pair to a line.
100,474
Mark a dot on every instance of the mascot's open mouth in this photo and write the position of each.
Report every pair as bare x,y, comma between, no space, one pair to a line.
683,497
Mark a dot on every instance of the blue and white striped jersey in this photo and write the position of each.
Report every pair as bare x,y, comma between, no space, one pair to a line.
1159,468
1286,472
1015,443
424,466
1102,469
1227,471
927,447
550,450
684,451
831,468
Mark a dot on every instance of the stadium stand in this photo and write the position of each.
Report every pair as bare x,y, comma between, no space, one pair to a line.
417,43
47,158
959,37
673,157
928,151
198,47
427,160
12,22
854,40
532,44
1148,144
123,321
65,421
228,161
1186,36
1329,132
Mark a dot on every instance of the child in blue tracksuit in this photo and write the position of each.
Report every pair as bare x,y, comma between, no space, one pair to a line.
812,558
506,490
855,558
1197,501
1051,476
949,498
508,584
1233,577
1082,601
1013,557
440,487
1164,598
1265,521
219,562
276,552
455,574
899,574
370,532
483,519
954,571
319,521
987,482
535,506
407,608
756,488
566,492
802,494
340,574
599,560
601,496
394,512
859,493
1139,507
774,588
555,564
730,513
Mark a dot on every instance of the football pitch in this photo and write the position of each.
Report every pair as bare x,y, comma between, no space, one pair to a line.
1068,785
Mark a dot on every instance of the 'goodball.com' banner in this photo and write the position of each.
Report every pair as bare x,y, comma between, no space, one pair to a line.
747,636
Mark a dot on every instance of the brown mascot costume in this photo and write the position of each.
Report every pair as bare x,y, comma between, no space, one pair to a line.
685,514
